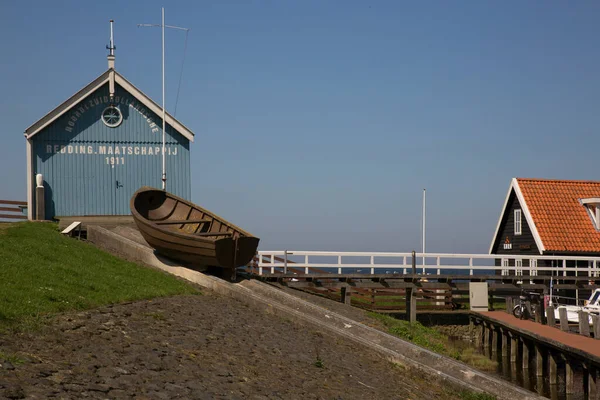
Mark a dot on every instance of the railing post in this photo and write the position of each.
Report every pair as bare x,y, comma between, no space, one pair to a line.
260,268
414,262
285,260
438,265
564,267
340,265
471,265
306,264
272,262
404,263
372,263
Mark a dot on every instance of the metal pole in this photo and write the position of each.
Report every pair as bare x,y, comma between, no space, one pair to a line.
423,231
164,171
112,47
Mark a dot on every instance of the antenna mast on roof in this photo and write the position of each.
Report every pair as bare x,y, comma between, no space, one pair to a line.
163,26
111,47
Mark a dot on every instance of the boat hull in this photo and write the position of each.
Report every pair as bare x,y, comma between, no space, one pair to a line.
167,223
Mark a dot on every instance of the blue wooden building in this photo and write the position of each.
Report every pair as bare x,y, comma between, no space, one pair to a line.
102,144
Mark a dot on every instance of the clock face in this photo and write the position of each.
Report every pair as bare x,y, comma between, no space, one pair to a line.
112,117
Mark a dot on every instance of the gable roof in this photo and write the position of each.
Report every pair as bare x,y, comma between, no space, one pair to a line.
557,218
94,85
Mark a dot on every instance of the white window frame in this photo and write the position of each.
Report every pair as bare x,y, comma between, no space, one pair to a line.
533,265
519,267
518,222
592,206
505,267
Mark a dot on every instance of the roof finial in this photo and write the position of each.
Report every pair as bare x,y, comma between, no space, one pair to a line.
111,48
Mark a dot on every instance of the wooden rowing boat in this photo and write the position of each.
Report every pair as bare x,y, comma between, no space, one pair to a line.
189,233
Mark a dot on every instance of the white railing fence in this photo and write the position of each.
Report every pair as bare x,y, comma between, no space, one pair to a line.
284,261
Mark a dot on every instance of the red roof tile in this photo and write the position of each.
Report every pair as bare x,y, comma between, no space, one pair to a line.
562,222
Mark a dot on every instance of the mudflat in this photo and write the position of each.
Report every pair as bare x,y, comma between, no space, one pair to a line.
196,347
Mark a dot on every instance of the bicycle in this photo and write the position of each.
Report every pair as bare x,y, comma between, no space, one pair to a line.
523,310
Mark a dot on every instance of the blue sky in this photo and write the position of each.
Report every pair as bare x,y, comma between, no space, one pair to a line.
318,123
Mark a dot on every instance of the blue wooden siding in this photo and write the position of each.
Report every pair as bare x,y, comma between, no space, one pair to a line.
82,177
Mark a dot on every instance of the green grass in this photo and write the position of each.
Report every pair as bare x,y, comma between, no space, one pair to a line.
466,395
43,272
433,340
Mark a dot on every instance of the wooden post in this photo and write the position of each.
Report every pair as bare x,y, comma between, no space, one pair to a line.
564,322
596,326
526,349
514,348
569,378
550,317
539,362
482,335
553,359
486,338
509,305
504,343
40,204
494,339
584,323
345,295
592,379
411,305
539,317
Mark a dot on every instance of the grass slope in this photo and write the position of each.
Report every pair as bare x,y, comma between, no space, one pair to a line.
42,272
435,341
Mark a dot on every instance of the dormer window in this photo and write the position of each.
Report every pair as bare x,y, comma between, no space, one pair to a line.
592,205
518,227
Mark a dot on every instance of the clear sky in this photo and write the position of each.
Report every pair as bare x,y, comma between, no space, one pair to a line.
319,123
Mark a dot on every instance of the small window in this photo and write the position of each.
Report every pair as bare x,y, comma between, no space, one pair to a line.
505,265
519,267
592,206
533,265
517,222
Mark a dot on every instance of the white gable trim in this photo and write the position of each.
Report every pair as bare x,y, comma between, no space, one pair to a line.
96,84
66,106
147,101
514,185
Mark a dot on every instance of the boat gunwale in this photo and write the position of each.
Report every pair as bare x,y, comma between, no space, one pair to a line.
151,224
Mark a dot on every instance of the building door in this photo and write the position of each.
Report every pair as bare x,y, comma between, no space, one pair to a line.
136,165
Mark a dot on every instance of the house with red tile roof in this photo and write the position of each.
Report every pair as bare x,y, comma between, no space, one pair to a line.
548,217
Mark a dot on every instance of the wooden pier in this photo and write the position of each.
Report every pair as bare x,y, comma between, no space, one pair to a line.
525,340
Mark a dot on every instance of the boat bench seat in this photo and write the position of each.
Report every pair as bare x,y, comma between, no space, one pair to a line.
182,221
213,234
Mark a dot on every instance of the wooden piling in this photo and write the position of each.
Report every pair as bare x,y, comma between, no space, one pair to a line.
486,337
504,343
584,323
539,361
514,348
494,339
509,305
550,317
345,295
539,317
564,322
526,349
553,360
411,305
592,380
596,326
569,377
